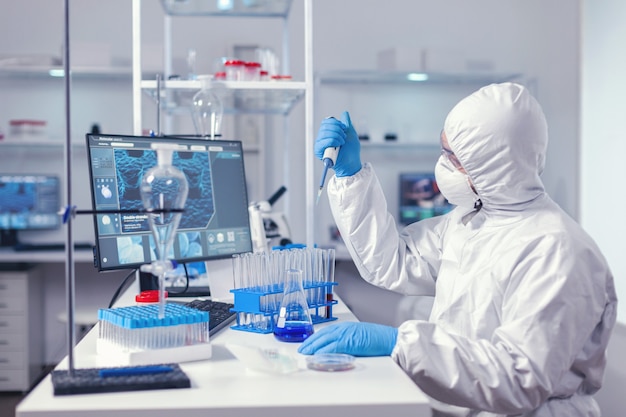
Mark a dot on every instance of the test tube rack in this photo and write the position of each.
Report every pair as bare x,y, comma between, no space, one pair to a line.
136,335
257,308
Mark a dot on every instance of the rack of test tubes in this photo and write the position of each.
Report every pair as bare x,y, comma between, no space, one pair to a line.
138,335
259,283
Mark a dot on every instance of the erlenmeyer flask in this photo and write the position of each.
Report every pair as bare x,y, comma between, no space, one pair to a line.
293,323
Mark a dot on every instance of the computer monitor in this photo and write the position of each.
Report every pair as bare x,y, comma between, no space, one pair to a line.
214,224
27,202
420,198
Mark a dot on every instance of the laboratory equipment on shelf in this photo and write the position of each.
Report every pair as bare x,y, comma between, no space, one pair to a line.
207,112
260,280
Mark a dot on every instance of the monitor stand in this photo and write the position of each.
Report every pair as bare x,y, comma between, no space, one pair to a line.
148,282
220,275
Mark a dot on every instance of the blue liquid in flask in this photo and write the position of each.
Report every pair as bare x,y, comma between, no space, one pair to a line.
293,331
293,323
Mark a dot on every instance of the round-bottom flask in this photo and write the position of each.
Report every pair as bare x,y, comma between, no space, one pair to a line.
293,323
207,113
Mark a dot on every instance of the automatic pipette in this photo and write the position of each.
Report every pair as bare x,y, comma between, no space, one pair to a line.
329,158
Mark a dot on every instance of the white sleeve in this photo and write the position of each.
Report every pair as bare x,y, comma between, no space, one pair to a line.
405,262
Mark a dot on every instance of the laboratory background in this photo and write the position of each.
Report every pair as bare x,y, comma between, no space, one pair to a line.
569,54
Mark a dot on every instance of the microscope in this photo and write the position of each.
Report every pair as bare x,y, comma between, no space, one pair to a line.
269,228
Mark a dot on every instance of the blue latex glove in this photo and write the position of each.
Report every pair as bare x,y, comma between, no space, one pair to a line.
357,339
334,133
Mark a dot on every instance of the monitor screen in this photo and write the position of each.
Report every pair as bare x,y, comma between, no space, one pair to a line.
28,202
214,224
420,198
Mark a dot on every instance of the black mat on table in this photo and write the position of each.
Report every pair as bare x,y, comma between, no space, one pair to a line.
89,380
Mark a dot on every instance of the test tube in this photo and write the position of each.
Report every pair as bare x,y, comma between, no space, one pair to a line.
329,278
320,268
261,266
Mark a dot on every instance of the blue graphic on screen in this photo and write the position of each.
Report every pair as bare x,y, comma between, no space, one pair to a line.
420,198
214,223
131,165
27,202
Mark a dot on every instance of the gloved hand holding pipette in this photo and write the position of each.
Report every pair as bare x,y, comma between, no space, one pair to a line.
340,133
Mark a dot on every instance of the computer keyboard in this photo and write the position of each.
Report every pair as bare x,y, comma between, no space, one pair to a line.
220,315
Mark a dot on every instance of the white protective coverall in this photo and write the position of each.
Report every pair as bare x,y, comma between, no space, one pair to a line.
524,300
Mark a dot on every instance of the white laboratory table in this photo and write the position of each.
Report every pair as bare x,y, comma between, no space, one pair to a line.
223,386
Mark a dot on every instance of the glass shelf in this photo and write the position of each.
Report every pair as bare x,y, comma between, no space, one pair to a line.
401,146
56,72
262,97
406,77
244,8
43,143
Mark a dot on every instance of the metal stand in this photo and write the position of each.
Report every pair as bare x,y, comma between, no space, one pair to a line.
93,380
69,239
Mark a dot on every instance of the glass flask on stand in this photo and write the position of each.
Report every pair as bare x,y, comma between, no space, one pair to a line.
207,112
163,191
293,323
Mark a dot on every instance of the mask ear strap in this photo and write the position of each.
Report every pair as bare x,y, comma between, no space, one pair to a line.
478,204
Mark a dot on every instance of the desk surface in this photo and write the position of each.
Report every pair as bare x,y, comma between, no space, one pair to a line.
223,386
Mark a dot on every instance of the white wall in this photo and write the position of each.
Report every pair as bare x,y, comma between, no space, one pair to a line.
603,145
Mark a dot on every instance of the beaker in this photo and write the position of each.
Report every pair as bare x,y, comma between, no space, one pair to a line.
293,323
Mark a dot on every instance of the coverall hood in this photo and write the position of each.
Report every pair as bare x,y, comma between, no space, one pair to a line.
500,135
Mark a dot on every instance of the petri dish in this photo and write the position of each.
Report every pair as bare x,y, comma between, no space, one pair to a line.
330,362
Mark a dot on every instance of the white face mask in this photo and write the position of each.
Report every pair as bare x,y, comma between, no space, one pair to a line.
454,185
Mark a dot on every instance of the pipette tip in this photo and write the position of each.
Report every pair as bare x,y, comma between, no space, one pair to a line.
319,193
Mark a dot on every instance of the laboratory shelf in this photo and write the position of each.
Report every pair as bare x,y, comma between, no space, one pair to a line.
56,72
42,144
12,257
408,77
243,8
401,146
262,97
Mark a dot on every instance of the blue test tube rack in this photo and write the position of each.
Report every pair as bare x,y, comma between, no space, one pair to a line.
140,327
254,302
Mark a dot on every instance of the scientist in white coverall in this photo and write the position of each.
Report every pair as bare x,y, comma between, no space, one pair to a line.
524,302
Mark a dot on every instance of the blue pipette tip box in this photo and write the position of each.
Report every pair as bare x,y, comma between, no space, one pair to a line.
147,316
118,379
